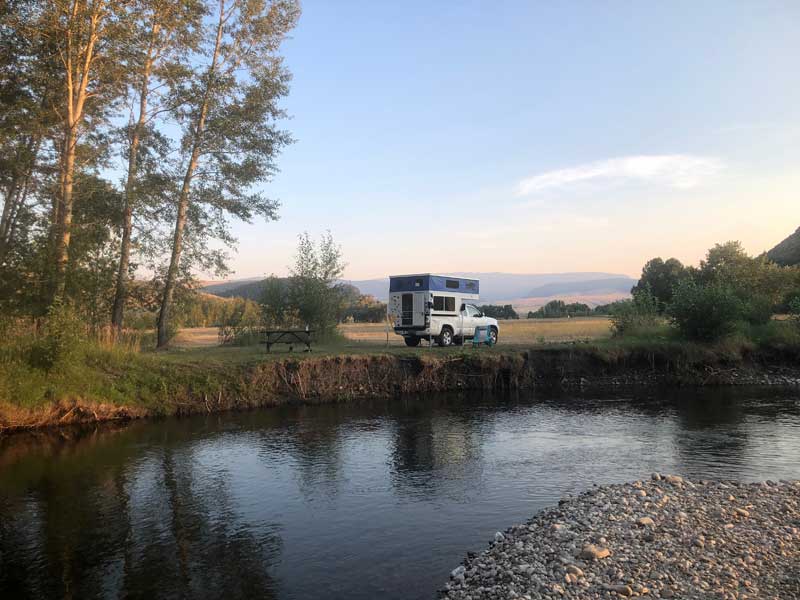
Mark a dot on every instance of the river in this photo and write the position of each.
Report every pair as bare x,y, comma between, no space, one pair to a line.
377,499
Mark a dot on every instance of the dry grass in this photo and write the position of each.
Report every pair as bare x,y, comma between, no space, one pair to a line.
524,332
521,332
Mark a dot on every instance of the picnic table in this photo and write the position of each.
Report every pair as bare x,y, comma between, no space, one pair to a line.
270,337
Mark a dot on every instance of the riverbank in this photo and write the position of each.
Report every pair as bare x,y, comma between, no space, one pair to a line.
117,385
663,538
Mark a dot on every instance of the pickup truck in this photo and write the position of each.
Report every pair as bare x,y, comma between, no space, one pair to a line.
446,329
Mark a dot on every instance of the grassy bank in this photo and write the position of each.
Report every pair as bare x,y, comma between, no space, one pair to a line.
102,381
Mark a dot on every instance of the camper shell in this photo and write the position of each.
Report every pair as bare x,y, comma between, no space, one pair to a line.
440,307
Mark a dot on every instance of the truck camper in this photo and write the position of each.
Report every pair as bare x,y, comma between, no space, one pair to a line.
440,308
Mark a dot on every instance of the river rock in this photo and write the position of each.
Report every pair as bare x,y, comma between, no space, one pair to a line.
706,545
593,552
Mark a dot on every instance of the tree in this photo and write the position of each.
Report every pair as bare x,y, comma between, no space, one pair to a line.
313,292
760,284
661,277
705,312
499,312
228,112
167,32
92,38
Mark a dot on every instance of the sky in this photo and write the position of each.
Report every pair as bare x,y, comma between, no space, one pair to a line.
535,137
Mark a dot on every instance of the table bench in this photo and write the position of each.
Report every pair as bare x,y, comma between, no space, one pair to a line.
270,337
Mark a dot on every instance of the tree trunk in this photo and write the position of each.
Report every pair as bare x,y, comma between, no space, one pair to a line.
64,224
16,191
78,60
121,292
183,199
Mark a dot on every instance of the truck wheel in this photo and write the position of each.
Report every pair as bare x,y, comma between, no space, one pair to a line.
412,341
446,337
492,336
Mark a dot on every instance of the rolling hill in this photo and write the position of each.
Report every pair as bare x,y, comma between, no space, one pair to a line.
495,287
787,253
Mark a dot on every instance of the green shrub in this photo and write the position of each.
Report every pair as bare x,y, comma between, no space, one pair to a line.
637,316
706,312
60,340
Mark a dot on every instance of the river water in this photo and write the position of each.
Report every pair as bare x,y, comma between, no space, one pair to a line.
379,499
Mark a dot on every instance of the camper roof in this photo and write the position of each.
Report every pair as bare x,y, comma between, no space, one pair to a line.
433,283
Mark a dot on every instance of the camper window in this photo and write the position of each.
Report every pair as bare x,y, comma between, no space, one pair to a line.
444,303
451,284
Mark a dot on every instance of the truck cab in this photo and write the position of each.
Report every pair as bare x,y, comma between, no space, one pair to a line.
438,308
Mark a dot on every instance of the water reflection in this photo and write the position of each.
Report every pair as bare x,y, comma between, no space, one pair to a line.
367,500
101,518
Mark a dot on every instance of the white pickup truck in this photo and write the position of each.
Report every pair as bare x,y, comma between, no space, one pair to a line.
438,308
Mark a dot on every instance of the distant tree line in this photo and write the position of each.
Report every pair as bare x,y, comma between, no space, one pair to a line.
729,291
557,309
506,311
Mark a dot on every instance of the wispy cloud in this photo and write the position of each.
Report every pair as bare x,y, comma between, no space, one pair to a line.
681,171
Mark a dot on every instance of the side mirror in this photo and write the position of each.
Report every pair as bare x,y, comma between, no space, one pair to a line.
479,315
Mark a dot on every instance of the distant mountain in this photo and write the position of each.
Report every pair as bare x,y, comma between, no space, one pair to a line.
252,289
593,287
498,286
223,287
788,251
520,289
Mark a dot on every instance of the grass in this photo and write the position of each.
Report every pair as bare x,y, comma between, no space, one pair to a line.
523,332
157,382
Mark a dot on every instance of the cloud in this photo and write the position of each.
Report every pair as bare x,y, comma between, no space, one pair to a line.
681,171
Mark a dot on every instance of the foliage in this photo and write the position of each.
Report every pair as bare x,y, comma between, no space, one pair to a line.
794,311
661,277
363,309
706,312
60,339
499,312
311,296
557,309
635,316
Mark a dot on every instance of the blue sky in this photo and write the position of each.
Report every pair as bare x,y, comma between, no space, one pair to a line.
535,136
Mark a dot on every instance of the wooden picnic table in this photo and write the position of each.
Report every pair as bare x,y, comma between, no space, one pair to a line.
287,336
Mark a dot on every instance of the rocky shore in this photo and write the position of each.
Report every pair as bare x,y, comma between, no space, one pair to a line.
667,537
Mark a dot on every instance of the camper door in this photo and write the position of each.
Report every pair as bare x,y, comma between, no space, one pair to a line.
413,309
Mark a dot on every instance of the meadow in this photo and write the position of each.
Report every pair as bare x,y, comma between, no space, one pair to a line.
523,332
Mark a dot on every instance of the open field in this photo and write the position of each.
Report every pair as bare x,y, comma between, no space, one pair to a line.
522,332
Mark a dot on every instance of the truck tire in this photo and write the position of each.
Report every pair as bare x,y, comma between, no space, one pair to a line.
445,338
493,336
411,341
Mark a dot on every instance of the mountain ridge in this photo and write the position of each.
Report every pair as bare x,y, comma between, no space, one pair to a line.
787,252
495,285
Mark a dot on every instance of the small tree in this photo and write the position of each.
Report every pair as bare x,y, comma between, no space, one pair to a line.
629,317
705,312
661,277
313,291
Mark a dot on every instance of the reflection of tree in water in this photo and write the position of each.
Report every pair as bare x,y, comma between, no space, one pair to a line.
711,431
314,441
113,524
433,444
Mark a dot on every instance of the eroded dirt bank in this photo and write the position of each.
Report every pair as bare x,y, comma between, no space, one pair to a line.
350,377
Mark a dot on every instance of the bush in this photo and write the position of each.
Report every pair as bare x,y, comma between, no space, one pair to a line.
794,311
706,312
635,316
61,339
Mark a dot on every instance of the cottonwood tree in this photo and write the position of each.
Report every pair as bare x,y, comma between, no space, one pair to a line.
27,89
167,34
313,292
92,37
230,138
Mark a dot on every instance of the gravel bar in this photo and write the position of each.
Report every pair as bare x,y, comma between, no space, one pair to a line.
663,538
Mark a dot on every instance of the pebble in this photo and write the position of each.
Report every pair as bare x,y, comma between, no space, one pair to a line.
602,544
